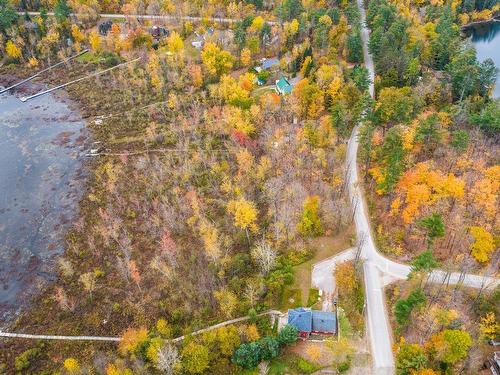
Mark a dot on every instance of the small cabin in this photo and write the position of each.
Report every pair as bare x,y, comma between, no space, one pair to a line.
309,321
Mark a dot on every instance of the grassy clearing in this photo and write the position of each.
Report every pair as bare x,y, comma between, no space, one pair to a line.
324,247
89,57
291,363
313,297
258,92
292,298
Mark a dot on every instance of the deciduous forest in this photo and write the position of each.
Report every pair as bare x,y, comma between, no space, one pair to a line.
217,175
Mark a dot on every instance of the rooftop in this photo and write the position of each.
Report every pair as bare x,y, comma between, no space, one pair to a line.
307,320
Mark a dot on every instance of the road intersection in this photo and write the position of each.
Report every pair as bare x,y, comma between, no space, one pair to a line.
378,270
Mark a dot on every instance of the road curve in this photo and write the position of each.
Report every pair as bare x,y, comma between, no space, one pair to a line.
377,268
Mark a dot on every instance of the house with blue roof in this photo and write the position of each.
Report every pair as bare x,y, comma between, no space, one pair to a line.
309,321
267,64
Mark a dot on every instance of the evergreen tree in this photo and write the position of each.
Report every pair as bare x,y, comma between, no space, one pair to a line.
8,15
393,157
62,11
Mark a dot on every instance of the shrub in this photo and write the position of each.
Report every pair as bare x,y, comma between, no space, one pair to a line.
404,307
133,340
270,348
288,335
71,365
23,360
195,358
248,355
344,367
306,367
310,223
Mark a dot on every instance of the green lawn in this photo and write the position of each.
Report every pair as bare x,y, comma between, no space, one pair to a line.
291,299
89,57
325,247
259,91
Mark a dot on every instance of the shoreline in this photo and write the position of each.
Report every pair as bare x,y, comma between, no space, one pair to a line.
470,25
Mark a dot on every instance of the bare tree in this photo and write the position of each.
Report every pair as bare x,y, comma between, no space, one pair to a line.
265,256
168,359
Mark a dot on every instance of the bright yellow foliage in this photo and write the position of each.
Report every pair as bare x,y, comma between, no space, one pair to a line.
231,90
483,245
422,186
77,34
175,44
305,65
291,28
154,71
489,326
326,74
71,365
95,41
257,24
163,328
464,18
244,213
309,99
425,371
238,119
485,14
485,191
246,57
334,89
112,369
12,50
325,20
215,60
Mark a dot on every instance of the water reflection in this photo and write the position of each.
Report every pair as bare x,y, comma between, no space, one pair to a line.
40,146
486,39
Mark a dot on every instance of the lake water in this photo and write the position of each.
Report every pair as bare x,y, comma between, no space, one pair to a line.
486,39
41,143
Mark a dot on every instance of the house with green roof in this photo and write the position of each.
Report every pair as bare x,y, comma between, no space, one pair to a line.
283,86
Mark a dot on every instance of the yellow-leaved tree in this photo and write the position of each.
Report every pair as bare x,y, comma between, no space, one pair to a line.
95,41
175,44
12,50
489,326
216,60
71,365
155,72
227,301
245,57
77,34
244,214
483,245
132,339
